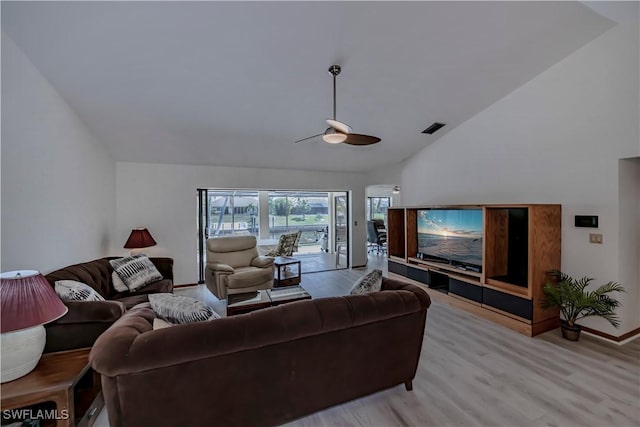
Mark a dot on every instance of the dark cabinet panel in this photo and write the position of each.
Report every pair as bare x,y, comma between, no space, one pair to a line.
511,304
465,290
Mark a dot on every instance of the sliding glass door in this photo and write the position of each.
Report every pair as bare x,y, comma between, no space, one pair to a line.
320,217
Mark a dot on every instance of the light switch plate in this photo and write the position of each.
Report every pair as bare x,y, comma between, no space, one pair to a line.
595,238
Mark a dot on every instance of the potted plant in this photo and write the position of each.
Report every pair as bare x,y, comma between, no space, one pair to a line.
576,302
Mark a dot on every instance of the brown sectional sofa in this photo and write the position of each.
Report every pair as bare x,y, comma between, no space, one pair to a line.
263,368
86,320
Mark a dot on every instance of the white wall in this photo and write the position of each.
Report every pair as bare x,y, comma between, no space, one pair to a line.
629,233
163,198
58,182
556,139
385,191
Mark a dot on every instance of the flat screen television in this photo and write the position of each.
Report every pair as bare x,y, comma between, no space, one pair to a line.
452,236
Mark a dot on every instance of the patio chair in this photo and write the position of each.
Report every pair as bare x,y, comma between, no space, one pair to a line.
287,244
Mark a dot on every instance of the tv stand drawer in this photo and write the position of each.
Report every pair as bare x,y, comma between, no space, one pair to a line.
517,306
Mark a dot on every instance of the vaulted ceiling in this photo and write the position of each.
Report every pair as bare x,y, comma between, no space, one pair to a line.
235,83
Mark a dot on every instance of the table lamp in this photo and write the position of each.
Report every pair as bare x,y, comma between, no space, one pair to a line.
28,302
138,239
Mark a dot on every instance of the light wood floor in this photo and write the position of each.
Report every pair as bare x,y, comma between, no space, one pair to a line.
474,372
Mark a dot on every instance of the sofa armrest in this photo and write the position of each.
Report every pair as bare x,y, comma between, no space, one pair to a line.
92,311
398,285
82,325
262,261
220,268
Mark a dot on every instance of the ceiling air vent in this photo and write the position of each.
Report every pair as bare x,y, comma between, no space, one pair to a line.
433,128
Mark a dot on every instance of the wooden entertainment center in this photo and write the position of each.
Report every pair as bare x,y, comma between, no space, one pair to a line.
520,246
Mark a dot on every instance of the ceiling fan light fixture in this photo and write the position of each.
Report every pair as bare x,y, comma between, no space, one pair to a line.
334,137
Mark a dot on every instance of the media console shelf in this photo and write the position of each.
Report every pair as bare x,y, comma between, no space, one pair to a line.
520,246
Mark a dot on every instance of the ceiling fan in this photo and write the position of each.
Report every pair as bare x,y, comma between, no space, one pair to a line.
339,132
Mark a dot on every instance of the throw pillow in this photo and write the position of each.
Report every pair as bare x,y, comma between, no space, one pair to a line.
371,282
178,309
118,284
70,290
136,271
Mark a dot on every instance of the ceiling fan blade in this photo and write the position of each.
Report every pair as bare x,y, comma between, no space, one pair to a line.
357,139
339,126
309,137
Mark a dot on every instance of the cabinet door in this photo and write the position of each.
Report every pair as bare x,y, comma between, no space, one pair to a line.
517,306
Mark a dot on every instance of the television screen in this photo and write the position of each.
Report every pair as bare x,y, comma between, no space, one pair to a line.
451,235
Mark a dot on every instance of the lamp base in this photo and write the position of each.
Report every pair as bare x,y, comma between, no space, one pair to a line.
20,352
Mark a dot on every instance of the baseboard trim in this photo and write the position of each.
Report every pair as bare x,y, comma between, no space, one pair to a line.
631,334
185,285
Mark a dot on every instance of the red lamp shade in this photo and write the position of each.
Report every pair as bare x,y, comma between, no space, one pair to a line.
27,300
139,238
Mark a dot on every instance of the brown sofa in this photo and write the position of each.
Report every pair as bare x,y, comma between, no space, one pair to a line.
86,320
263,368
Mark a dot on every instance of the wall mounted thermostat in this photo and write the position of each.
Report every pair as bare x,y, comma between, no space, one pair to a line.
590,221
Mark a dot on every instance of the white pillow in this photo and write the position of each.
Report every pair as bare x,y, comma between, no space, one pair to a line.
118,284
178,309
136,271
371,282
71,290
161,324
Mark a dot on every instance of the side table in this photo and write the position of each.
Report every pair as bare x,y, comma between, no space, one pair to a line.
288,271
64,378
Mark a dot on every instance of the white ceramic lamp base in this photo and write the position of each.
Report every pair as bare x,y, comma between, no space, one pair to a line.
20,352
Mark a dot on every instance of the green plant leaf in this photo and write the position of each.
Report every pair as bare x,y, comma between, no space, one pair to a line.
576,302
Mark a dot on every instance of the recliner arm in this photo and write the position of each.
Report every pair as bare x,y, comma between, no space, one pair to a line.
262,261
221,268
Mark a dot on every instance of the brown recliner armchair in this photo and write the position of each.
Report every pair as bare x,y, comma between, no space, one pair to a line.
234,266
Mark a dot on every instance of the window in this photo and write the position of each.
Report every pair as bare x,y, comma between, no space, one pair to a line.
233,212
377,208
307,212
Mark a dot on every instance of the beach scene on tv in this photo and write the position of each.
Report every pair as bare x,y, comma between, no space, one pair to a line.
451,235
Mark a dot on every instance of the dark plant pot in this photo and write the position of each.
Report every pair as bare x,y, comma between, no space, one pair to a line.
572,333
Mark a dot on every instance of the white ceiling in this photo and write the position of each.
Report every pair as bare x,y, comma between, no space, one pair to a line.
234,83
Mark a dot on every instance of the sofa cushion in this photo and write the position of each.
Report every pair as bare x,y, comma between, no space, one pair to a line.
94,273
371,282
179,309
72,290
161,286
136,271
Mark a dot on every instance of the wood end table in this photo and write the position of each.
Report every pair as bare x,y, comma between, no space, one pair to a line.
288,271
64,378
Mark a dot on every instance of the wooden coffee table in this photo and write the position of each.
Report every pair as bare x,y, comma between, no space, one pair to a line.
246,302
64,378
287,294
251,301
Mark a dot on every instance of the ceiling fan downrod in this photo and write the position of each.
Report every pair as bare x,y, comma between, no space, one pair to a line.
334,70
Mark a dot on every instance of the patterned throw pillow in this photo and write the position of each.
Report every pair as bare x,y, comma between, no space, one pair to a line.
70,290
371,282
136,271
178,309
118,284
